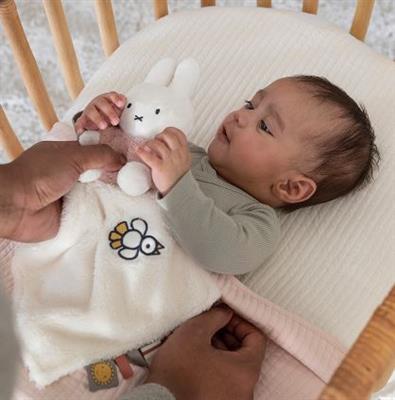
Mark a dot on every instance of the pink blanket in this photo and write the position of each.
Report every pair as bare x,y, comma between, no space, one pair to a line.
299,359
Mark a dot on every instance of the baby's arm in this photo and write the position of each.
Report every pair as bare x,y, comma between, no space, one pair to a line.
235,242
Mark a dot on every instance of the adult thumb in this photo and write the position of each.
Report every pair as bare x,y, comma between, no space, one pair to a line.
211,321
99,156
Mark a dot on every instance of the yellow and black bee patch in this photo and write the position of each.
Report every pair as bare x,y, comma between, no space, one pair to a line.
133,240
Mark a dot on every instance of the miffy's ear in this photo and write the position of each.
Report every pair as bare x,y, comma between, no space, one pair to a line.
186,77
162,72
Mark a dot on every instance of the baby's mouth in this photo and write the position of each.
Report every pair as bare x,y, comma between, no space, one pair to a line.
224,134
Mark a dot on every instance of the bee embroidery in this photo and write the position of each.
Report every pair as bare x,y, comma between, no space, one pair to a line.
131,241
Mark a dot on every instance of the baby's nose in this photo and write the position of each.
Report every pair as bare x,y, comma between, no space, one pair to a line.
241,118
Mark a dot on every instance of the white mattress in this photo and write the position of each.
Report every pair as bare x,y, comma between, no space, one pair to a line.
336,261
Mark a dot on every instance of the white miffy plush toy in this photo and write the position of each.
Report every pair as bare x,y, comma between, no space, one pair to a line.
163,100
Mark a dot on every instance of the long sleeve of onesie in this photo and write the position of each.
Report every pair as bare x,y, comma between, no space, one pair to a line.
234,240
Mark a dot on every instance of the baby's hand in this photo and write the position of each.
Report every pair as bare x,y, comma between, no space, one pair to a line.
102,110
168,157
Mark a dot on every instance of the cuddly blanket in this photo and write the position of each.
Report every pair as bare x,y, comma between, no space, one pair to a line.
113,280
299,358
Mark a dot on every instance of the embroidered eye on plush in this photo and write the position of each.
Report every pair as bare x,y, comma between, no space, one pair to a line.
157,111
129,105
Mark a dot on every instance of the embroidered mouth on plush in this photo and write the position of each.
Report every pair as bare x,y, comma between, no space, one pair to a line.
131,240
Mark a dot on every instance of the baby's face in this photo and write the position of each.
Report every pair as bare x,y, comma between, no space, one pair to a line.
264,142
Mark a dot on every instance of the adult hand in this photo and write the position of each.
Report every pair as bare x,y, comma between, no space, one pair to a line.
33,184
216,355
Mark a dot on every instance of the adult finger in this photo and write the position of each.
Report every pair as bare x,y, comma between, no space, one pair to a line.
204,326
99,156
229,340
251,338
218,343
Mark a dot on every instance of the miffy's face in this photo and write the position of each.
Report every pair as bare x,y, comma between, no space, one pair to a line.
150,109
143,119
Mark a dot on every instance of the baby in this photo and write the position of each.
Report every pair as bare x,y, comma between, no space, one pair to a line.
298,142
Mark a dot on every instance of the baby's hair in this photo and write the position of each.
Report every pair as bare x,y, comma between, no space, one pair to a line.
346,156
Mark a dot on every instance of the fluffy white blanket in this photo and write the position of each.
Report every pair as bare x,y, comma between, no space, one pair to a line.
112,280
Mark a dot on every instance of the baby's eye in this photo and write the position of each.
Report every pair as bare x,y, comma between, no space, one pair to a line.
263,126
248,105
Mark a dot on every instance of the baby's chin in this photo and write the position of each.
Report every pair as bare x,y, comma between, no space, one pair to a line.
210,150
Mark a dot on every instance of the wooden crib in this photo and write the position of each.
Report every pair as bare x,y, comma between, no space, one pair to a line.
369,363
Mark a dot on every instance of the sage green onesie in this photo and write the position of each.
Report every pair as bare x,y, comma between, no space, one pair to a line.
221,226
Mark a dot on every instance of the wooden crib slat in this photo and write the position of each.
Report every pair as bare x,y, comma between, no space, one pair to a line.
64,46
26,63
264,3
160,8
207,3
107,26
310,6
363,13
8,140
371,360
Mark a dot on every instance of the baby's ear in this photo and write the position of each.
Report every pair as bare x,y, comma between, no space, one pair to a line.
295,190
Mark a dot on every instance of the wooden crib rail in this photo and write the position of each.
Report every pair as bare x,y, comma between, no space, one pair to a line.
26,63
64,47
66,53
107,28
8,139
362,15
370,362
359,27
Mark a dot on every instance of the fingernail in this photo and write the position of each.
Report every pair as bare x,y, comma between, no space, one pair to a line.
115,121
102,125
119,103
